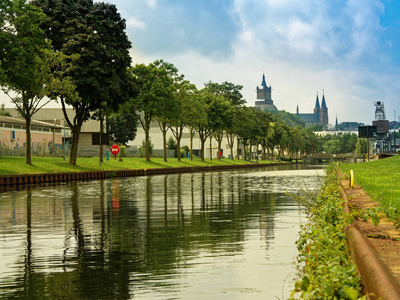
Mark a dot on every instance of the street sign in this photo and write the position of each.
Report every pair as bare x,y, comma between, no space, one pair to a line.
114,150
367,131
99,138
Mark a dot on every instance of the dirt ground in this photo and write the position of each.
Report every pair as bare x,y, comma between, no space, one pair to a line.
383,237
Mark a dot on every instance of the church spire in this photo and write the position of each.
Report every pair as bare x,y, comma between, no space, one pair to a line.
263,83
323,104
336,124
317,103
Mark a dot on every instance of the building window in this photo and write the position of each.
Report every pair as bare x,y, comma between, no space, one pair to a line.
13,135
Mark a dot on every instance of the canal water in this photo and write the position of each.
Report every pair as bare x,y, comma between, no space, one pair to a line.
220,235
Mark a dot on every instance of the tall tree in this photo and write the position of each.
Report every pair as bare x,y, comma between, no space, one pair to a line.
277,137
206,127
25,61
155,88
246,122
195,114
167,106
231,93
187,110
265,130
96,31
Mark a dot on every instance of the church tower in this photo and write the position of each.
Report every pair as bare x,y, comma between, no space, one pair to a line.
336,124
323,112
317,107
264,93
264,101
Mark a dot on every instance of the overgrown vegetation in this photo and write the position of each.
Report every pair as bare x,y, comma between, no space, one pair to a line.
327,271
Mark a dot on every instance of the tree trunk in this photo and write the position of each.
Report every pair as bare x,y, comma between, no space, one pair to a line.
244,149
257,152
75,129
147,137
231,139
238,147
75,142
219,149
203,141
28,141
164,135
211,147
178,142
191,144
202,149
178,148
162,124
101,119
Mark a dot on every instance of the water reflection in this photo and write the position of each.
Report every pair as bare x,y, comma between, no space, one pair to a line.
184,236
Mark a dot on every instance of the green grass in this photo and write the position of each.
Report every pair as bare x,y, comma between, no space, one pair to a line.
17,165
380,179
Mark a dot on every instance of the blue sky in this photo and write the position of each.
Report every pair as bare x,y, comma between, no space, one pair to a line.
348,48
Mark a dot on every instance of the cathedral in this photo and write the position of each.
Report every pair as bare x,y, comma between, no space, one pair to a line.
318,116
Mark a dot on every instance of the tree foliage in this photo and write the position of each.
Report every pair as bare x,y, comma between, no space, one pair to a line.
187,111
96,32
155,86
25,61
122,126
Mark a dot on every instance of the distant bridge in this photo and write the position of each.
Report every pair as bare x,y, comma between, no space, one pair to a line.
323,158
349,158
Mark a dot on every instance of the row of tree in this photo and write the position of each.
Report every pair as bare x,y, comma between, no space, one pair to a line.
77,52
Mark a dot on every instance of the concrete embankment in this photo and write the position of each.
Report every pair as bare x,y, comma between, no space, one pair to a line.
376,268
10,181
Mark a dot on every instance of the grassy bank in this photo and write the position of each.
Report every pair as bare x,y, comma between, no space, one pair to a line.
380,179
327,271
17,165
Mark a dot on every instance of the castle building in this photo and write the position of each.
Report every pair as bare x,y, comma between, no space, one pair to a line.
318,116
264,101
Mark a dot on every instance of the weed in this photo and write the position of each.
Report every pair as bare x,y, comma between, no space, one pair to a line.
324,260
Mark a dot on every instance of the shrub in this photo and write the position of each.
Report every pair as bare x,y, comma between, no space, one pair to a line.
324,261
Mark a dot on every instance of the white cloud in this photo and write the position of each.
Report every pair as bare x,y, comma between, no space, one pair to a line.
302,46
151,3
135,23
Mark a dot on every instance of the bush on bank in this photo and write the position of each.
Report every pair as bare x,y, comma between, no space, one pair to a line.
324,263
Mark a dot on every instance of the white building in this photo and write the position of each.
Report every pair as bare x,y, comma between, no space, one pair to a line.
157,140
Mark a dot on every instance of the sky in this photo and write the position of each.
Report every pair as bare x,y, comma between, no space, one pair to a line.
347,49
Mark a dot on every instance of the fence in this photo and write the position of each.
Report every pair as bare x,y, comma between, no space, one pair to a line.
57,150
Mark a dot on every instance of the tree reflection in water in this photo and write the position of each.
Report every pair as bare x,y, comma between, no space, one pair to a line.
146,237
